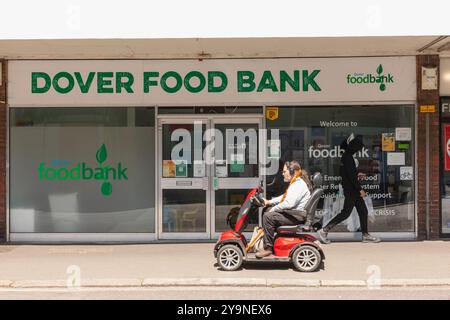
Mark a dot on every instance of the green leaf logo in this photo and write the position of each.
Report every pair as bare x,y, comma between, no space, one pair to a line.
101,154
106,188
380,69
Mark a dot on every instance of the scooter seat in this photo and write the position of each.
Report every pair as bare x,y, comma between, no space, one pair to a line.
288,229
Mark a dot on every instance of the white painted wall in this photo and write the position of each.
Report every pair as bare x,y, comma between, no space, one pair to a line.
86,19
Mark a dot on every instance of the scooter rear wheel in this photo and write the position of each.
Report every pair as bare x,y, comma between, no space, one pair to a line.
306,259
230,257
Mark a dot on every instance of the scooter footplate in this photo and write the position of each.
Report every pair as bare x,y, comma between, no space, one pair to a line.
252,257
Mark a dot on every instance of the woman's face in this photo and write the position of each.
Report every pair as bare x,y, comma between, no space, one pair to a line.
287,177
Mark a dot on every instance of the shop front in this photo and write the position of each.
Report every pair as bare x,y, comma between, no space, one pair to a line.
145,150
445,166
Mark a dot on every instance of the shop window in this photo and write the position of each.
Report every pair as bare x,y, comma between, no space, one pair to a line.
312,135
445,173
82,170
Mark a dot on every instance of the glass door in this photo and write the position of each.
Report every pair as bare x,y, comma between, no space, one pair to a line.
207,165
235,168
183,180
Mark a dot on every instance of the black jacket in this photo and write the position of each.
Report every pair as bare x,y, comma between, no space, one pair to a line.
347,169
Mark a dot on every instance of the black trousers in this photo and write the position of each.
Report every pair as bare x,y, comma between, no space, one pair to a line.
349,203
272,220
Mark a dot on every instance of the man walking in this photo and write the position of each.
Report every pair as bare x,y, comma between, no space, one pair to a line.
353,192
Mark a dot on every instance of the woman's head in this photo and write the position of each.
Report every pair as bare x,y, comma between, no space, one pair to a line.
291,169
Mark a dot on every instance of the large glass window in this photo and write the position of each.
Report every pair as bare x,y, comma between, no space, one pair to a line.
312,135
82,170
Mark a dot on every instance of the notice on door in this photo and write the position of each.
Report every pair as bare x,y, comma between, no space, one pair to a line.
168,169
237,163
181,168
199,169
221,169
274,149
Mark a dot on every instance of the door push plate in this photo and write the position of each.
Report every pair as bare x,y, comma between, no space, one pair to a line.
184,183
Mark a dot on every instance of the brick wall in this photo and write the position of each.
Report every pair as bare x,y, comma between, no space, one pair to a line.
3,151
428,97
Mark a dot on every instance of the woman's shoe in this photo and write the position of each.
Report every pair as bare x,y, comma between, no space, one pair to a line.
263,253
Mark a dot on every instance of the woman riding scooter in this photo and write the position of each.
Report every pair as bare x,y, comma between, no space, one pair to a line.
295,198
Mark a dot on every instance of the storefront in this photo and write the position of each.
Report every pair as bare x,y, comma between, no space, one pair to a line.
445,146
143,150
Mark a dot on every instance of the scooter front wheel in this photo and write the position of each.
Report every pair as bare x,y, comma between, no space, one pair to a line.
230,257
306,259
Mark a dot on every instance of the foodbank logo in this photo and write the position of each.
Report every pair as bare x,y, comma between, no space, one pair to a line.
63,170
379,78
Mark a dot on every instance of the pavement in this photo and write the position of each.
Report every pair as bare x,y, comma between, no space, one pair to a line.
347,265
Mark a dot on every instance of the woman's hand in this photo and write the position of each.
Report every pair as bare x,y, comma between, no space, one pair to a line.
266,202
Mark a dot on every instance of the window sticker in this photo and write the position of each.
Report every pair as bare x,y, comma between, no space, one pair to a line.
237,163
396,159
387,142
406,173
181,168
403,134
168,168
274,151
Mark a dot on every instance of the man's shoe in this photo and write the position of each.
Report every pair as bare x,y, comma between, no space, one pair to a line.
367,238
323,235
263,253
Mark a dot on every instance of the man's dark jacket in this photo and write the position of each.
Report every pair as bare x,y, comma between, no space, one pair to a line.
347,169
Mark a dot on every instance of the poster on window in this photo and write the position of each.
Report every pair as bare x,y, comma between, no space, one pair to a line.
446,146
168,168
388,142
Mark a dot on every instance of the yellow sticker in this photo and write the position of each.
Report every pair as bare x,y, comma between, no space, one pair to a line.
387,142
428,108
272,113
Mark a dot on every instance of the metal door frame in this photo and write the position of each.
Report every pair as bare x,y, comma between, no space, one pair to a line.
195,181
210,121
237,183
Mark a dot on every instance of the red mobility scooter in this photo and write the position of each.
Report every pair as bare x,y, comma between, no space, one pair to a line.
292,243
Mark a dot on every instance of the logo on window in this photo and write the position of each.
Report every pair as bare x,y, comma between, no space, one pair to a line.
65,170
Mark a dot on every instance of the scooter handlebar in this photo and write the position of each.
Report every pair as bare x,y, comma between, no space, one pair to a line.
258,200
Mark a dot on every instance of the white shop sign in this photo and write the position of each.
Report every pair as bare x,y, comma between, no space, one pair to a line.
210,82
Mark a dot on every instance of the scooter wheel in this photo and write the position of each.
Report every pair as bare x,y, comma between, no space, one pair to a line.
306,259
229,257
